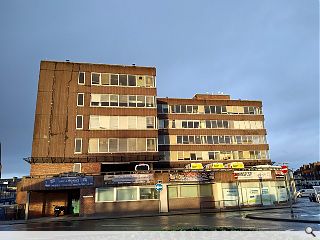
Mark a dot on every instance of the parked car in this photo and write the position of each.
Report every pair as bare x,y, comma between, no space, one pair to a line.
142,167
304,192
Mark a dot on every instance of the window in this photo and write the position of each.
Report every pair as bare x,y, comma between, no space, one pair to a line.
113,100
172,192
105,194
149,193
95,78
114,123
93,145
150,122
123,145
123,101
126,194
149,81
77,167
141,81
165,108
132,80
81,79
132,122
79,122
205,190
132,101
113,144
105,79
149,101
151,144
103,145
132,145
78,145
141,144
140,101
189,191
179,139
80,100
114,79
95,100
123,80
104,100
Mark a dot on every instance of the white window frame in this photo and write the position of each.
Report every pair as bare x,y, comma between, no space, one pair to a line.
75,145
84,75
81,122
78,99
99,79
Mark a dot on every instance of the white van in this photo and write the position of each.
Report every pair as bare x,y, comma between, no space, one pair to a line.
304,192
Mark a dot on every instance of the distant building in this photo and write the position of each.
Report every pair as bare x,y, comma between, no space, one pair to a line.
308,175
8,189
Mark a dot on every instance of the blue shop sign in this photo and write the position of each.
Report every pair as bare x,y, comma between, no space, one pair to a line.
69,181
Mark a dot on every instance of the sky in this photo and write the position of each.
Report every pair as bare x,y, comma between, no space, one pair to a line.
264,50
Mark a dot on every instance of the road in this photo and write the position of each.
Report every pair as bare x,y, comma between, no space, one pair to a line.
175,222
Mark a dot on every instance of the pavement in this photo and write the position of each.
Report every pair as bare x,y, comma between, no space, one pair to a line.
272,216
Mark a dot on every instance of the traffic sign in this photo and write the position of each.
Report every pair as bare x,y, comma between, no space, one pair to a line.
158,187
284,169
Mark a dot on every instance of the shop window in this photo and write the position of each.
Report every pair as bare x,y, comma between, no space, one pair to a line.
188,191
81,78
149,193
105,194
205,190
172,192
127,194
80,99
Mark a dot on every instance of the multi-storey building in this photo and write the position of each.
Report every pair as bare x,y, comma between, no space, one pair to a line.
99,121
211,128
93,118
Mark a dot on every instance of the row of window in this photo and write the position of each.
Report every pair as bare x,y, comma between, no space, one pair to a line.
134,193
213,155
114,100
209,139
111,79
121,122
113,145
201,109
166,123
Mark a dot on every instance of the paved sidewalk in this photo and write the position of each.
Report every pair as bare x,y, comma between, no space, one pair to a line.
98,217
287,217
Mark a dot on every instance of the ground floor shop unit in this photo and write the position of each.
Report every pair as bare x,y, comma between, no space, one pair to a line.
135,193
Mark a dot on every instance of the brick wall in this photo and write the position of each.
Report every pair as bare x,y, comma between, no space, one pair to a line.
56,168
87,201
